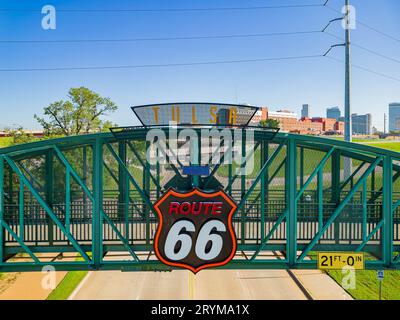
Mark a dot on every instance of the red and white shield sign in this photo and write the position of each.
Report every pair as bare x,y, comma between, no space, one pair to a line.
195,229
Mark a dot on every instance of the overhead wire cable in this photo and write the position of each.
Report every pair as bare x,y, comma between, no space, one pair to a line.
366,69
160,65
255,35
121,10
365,48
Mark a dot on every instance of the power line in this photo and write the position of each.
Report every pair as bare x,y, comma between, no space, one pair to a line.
195,64
365,49
366,69
196,38
305,5
162,65
376,53
226,36
367,25
378,31
231,36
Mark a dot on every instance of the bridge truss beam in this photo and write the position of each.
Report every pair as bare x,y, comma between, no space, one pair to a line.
79,195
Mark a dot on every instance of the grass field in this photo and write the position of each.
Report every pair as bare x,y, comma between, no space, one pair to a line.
68,284
5,142
394,146
367,285
356,140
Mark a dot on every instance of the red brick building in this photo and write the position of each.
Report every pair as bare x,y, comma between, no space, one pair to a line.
288,122
328,125
35,133
308,126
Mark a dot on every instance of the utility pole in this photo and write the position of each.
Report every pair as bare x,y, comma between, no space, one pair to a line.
348,127
347,101
384,123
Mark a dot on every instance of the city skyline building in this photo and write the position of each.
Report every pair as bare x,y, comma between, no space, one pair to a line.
333,113
289,122
305,111
362,123
394,116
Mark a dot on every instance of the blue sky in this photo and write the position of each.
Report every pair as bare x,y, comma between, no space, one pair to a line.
276,84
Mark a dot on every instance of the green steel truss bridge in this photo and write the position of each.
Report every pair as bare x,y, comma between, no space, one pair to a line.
93,195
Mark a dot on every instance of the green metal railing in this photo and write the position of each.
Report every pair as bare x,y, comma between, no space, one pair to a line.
95,194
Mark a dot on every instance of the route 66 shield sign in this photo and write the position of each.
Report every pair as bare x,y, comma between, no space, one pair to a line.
195,229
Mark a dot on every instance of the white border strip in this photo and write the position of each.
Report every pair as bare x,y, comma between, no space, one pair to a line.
79,287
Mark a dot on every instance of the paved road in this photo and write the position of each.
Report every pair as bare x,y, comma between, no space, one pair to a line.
207,284
31,285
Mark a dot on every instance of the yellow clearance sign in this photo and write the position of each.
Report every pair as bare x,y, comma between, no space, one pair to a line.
338,260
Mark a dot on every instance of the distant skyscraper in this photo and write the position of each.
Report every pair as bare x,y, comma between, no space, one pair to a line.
333,113
362,123
305,111
394,116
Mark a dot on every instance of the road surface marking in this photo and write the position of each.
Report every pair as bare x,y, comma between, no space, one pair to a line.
78,288
191,280
139,292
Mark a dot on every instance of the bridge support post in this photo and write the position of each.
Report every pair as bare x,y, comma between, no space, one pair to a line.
373,183
229,190
291,203
121,180
264,186
1,209
84,179
147,192
123,187
195,151
243,189
10,188
97,221
301,171
335,198
49,193
387,209
158,188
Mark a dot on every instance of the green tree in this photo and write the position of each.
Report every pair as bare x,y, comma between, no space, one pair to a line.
269,123
19,135
80,114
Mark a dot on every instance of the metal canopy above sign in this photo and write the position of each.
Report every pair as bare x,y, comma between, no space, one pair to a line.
194,114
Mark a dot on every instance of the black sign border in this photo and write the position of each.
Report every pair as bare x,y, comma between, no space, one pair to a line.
207,195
